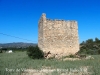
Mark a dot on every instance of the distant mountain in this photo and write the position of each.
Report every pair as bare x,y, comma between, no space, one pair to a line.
17,45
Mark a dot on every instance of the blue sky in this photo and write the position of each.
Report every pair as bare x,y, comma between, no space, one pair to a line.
20,17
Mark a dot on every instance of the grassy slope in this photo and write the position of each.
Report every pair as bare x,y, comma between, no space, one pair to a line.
19,60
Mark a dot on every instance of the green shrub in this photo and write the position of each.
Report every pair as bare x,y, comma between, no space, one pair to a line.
71,56
35,52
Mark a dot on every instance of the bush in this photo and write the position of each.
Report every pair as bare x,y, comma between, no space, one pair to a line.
72,56
90,46
35,52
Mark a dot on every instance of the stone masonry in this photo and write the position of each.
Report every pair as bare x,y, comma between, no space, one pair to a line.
58,36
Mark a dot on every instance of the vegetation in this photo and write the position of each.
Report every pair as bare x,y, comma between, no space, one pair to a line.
90,47
35,52
19,60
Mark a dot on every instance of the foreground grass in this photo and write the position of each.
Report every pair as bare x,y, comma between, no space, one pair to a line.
16,63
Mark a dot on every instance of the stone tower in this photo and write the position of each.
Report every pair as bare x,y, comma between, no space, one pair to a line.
58,36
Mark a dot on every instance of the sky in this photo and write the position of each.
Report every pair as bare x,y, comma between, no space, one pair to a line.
19,18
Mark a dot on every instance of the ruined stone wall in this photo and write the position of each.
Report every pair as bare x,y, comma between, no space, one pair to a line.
58,36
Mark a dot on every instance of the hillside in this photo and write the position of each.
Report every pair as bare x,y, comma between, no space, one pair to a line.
90,46
17,45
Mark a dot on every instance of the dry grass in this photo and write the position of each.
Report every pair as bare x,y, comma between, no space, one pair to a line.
20,60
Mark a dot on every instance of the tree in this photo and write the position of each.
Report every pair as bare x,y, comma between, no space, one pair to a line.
90,47
89,41
35,52
97,40
82,43
4,49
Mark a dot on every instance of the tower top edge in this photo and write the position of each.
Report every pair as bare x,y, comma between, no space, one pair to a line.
61,20
43,14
